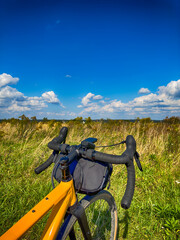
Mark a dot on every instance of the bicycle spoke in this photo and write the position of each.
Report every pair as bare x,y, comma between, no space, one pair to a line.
101,216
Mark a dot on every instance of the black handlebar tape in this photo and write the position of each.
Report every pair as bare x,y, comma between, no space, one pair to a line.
110,158
128,195
130,151
130,146
55,143
54,146
62,135
45,165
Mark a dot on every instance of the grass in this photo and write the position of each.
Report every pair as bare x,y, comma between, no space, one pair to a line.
155,209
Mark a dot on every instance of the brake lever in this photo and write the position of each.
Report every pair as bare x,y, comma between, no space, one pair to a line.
136,156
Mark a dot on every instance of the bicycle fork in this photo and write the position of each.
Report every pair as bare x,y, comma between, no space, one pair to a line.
79,213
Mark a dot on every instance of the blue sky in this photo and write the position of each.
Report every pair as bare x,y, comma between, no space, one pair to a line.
103,59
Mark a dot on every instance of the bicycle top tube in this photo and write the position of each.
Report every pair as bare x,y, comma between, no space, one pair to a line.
54,200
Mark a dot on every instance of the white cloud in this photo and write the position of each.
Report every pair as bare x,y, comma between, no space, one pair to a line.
16,108
113,106
144,91
11,100
97,97
166,101
9,92
87,98
149,99
68,76
50,97
172,89
93,108
16,101
6,79
34,102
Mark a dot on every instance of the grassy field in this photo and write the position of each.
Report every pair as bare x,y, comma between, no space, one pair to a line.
155,209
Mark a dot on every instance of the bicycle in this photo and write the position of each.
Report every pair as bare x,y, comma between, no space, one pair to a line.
96,220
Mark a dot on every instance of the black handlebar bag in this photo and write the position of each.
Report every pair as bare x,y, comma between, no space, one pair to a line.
89,176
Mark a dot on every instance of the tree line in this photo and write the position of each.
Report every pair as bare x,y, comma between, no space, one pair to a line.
173,119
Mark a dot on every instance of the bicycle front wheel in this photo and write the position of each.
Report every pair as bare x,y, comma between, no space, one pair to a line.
101,212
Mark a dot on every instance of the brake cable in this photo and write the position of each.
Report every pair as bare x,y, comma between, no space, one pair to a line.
136,155
112,144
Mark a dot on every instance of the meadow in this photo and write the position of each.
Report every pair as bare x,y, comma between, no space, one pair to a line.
155,209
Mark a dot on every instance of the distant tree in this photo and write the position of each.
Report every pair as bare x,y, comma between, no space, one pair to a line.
34,118
78,119
45,119
145,120
88,120
172,120
110,121
23,117
13,120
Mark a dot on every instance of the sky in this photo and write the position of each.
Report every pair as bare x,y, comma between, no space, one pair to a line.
99,58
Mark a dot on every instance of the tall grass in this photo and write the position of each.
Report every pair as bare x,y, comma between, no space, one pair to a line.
155,209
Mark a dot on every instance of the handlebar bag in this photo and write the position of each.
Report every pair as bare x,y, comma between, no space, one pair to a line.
89,176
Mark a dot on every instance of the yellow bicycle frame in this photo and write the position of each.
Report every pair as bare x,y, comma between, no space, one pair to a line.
59,199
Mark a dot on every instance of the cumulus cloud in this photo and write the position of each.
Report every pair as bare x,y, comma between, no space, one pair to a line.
11,100
165,101
14,107
144,91
147,100
113,106
6,79
9,92
172,89
86,101
97,97
50,97
34,103
87,98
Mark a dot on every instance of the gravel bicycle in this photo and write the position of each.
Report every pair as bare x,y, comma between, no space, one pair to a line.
95,215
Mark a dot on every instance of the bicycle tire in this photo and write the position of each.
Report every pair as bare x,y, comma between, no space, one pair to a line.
97,215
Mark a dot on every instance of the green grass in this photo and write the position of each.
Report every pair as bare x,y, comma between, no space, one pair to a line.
155,209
